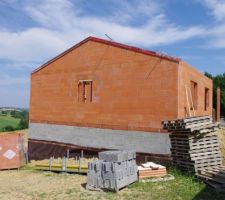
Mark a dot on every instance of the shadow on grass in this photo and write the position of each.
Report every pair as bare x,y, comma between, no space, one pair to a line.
205,193
208,193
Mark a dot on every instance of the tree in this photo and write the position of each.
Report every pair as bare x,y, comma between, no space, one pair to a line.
23,124
218,81
4,112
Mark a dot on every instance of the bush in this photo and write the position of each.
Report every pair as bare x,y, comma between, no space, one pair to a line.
8,128
4,112
23,124
16,114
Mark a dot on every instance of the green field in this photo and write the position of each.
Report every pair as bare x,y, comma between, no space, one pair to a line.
8,121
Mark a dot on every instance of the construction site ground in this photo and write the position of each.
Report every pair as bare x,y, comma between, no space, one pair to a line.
30,184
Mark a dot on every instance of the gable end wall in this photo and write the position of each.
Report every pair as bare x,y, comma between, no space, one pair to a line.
131,91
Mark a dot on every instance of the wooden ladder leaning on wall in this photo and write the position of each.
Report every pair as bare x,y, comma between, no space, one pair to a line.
190,103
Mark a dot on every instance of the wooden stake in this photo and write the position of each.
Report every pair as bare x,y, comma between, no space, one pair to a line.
218,105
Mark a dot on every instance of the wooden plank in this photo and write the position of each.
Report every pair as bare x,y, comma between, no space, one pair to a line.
208,157
205,153
198,124
195,149
212,178
213,172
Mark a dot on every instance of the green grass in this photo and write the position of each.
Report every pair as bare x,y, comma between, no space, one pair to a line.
184,187
8,121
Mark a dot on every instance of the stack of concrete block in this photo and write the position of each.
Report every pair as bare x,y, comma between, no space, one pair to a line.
114,170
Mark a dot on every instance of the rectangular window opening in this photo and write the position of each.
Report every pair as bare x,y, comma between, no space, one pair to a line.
206,99
194,95
85,91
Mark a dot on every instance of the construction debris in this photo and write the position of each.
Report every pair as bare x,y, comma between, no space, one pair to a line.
114,170
150,169
195,147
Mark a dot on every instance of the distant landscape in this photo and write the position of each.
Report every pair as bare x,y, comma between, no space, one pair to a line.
12,119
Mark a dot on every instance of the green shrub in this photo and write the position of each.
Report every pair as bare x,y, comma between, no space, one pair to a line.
8,128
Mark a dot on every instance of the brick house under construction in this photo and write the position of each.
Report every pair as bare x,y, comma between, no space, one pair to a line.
101,94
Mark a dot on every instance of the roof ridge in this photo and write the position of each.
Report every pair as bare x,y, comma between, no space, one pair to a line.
112,43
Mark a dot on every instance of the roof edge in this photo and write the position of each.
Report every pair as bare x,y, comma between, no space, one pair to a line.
112,43
186,64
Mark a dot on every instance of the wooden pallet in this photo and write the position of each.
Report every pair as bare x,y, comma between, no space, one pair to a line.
187,120
214,176
199,124
195,147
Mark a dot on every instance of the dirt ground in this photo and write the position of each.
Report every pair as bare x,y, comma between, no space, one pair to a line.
28,184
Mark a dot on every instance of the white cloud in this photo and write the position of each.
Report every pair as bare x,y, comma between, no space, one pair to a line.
62,26
31,44
6,80
216,32
217,8
20,66
127,12
54,14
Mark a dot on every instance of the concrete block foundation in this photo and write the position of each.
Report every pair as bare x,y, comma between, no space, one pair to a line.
138,141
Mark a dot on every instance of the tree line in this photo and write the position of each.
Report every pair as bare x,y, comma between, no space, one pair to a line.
218,81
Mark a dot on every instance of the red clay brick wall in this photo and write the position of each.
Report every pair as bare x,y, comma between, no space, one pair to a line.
186,75
131,91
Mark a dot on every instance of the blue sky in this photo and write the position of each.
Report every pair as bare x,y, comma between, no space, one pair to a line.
32,32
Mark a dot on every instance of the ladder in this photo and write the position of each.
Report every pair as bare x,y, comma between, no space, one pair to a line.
190,103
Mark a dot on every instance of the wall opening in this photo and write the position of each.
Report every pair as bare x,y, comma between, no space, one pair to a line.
206,99
85,91
194,94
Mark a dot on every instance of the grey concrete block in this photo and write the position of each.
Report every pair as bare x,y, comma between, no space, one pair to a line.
94,178
119,172
116,156
113,175
95,165
106,166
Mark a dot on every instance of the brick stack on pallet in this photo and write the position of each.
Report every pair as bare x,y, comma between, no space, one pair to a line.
114,170
150,170
194,145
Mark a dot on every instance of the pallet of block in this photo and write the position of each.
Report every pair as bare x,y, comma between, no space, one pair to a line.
150,170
